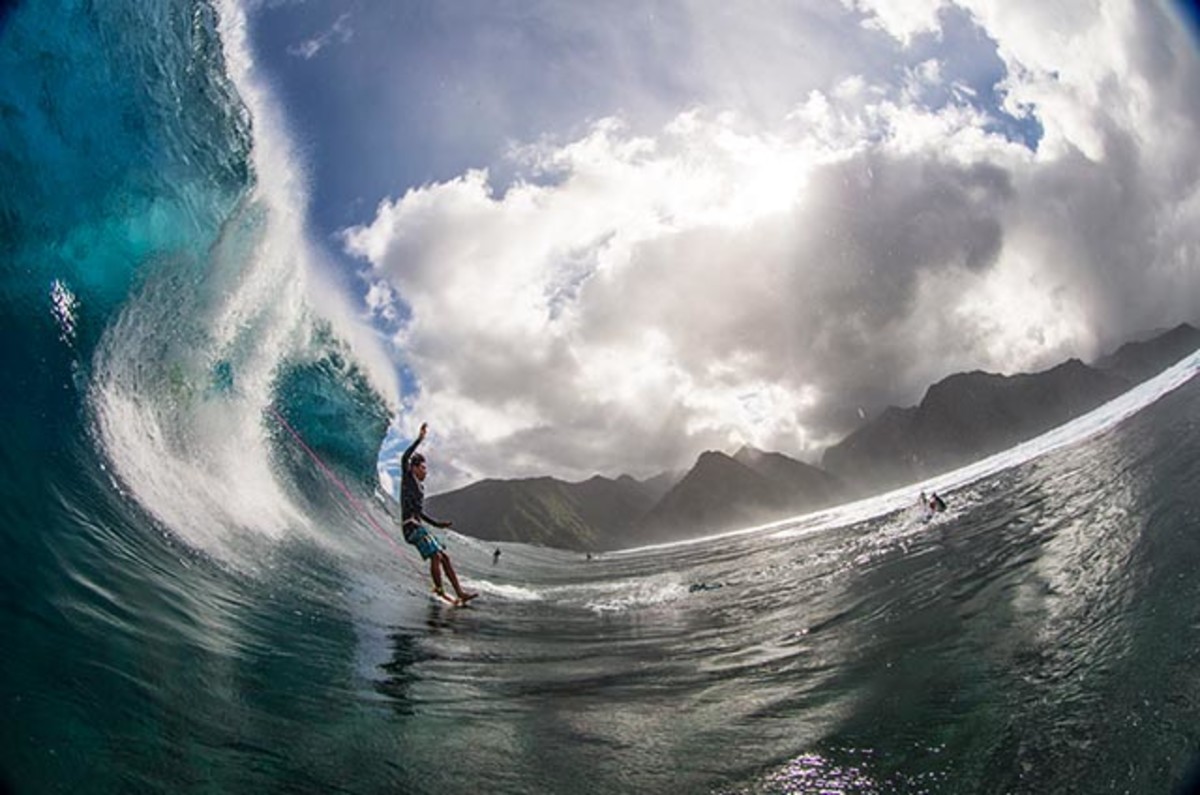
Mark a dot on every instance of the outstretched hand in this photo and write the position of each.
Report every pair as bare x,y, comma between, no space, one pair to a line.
424,428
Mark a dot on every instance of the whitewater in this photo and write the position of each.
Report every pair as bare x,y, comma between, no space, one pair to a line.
190,603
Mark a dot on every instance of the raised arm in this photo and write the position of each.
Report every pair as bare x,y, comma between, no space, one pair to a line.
412,448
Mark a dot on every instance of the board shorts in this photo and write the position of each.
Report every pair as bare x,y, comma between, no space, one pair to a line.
423,540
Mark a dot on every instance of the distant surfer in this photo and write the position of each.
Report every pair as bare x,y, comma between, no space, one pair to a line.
930,505
414,519
496,556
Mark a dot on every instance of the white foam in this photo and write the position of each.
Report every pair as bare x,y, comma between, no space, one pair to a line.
633,594
514,593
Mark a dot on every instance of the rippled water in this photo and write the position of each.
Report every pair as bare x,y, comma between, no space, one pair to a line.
187,604
1040,636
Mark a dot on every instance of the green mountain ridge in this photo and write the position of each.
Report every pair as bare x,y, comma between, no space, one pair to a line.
583,516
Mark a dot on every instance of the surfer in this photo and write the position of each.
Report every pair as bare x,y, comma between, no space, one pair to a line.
414,519
924,505
496,556
930,505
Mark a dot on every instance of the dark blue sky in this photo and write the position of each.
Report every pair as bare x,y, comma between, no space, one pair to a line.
410,93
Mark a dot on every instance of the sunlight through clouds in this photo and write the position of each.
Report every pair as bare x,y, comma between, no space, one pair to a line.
702,236
640,293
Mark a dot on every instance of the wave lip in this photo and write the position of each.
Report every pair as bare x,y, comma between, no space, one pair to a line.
226,325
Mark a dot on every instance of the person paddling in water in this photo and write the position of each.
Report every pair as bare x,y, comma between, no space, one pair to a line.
414,519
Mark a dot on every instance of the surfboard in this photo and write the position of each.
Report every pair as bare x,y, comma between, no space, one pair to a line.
450,600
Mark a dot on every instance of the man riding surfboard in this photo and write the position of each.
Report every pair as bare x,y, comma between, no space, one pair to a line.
414,521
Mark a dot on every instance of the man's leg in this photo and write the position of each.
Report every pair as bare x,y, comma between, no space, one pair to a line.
435,571
462,595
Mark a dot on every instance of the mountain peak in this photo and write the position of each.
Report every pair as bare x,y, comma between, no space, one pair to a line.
723,492
968,415
963,416
1138,361
747,454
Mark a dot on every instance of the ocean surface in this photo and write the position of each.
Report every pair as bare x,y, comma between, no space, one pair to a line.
190,603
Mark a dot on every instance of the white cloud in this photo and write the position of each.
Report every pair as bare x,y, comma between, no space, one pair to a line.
901,19
721,282
339,33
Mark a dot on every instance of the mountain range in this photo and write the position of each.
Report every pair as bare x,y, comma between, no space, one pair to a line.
961,418
967,416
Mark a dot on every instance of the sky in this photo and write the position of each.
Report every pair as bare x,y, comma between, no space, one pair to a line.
601,238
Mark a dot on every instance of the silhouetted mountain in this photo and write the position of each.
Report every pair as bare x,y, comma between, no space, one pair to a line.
967,416
718,493
722,492
880,452
961,418
806,484
592,515
1137,361
658,486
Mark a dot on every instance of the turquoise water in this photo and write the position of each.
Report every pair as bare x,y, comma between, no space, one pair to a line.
188,604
